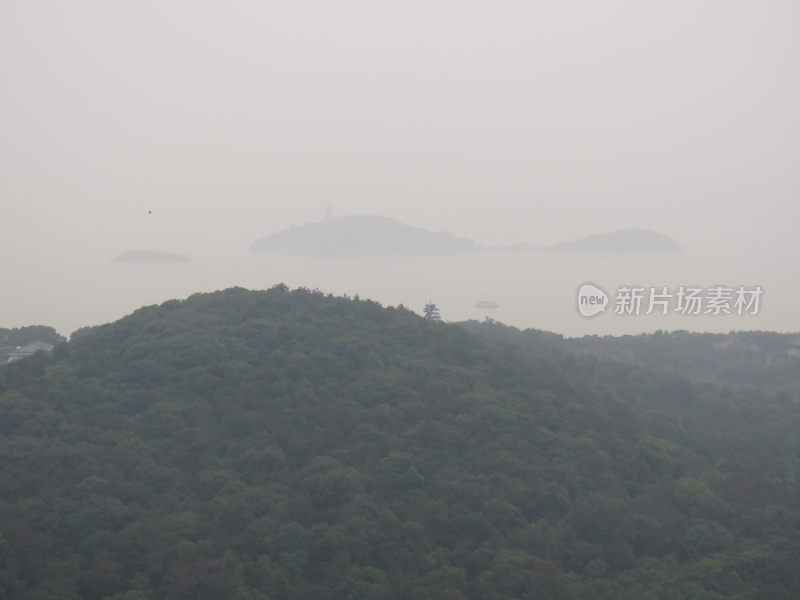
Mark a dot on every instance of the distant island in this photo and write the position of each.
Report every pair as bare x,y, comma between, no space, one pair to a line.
148,256
371,235
624,241
356,235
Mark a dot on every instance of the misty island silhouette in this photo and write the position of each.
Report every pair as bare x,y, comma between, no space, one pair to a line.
367,235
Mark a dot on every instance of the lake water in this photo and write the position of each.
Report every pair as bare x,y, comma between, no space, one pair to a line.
532,289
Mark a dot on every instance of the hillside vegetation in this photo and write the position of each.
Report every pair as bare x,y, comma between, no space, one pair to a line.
291,445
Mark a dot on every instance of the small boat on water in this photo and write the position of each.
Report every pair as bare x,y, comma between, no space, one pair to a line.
487,304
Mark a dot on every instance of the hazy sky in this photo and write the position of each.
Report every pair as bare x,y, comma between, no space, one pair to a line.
503,121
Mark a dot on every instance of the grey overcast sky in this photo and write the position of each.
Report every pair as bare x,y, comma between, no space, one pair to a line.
506,121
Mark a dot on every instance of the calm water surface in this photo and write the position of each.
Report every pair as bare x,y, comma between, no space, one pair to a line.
532,290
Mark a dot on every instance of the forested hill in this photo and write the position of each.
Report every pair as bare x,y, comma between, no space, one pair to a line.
760,359
288,445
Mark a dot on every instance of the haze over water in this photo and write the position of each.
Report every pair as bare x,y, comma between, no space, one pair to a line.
533,289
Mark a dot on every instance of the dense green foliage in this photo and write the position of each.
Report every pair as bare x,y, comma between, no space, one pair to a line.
289,445
748,358
761,359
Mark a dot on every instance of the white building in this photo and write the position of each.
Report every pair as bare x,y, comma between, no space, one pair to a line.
29,350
